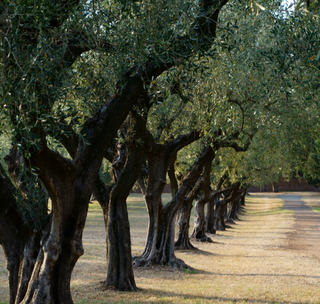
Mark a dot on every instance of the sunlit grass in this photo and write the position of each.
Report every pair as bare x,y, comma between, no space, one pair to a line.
312,200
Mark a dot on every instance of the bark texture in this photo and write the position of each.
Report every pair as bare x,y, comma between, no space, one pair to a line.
14,233
183,241
199,219
120,271
160,240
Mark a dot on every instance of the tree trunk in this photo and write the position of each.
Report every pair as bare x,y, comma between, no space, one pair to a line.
160,240
19,241
232,213
120,271
172,176
46,271
50,280
210,216
243,197
200,222
41,274
183,241
159,249
274,187
219,218
199,230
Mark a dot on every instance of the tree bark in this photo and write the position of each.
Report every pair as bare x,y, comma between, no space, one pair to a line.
172,176
20,231
200,222
120,271
46,271
199,229
210,216
160,240
14,233
183,241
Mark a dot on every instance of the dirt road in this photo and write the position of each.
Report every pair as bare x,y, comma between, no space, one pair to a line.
306,234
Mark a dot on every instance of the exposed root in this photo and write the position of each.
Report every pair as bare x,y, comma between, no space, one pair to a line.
126,285
230,221
142,262
173,262
220,228
234,217
184,245
204,239
177,263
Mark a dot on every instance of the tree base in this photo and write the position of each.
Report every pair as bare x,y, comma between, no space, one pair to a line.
211,230
124,286
230,221
173,262
220,228
234,217
203,239
185,246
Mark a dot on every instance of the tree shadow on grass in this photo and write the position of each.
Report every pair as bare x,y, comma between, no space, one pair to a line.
209,299
158,296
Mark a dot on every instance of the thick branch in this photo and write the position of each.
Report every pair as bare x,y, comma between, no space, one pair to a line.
207,154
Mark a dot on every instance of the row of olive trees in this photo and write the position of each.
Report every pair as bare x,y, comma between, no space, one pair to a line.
137,84
45,47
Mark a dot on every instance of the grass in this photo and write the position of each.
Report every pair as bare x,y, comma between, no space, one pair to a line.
191,271
276,210
249,263
312,199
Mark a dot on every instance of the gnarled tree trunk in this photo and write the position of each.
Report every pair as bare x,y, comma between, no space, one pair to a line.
183,241
120,271
200,221
14,233
210,216
199,230
160,240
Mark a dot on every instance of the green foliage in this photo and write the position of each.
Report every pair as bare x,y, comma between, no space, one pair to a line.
32,200
104,172
261,73
312,165
5,146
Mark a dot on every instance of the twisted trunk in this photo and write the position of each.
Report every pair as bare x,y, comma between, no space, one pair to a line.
183,241
120,271
200,222
233,209
14,234
210,216
160,241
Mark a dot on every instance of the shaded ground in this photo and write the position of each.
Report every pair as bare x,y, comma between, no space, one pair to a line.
257,261
306,234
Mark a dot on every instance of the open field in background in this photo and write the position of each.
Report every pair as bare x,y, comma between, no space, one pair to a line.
249,263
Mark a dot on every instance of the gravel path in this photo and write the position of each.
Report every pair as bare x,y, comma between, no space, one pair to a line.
306,234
